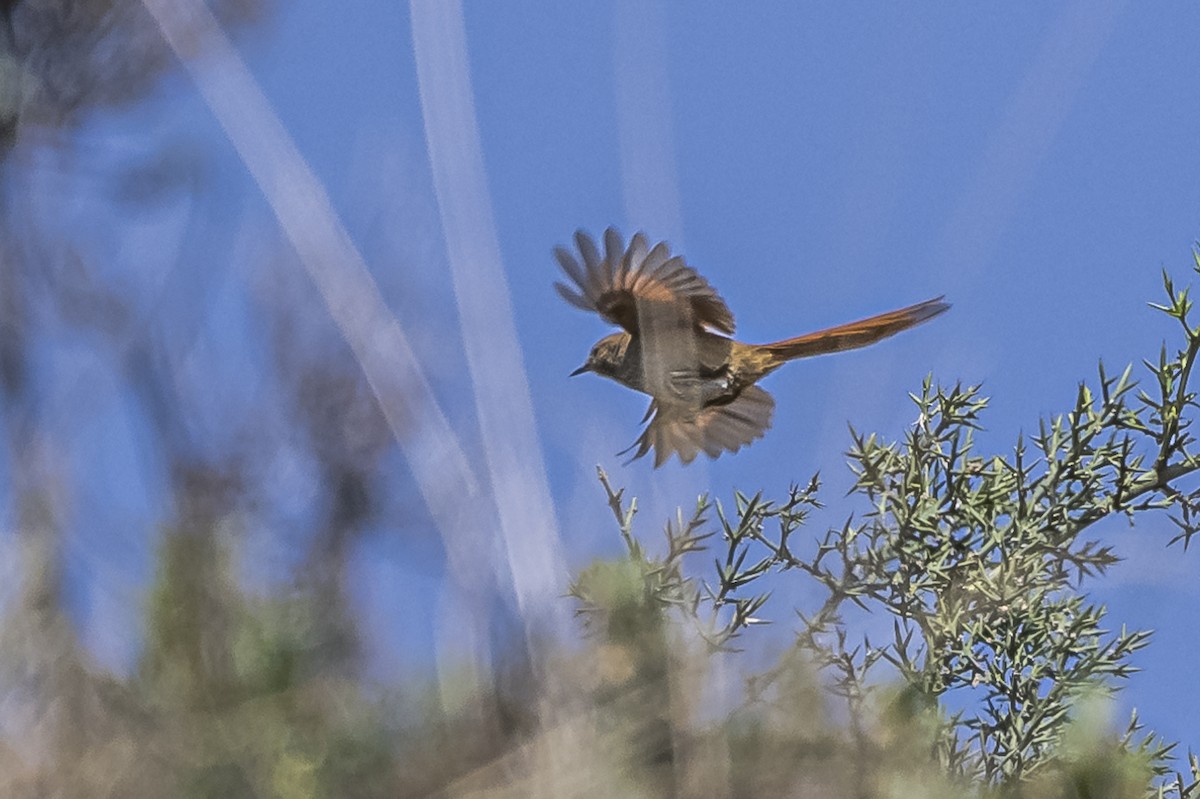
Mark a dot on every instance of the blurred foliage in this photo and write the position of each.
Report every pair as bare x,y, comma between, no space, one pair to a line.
60,59
995,679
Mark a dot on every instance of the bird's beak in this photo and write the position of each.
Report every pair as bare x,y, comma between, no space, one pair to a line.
581,370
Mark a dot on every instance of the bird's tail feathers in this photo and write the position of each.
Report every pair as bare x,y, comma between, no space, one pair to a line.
854,334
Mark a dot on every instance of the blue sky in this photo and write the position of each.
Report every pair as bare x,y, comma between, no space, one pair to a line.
1035,163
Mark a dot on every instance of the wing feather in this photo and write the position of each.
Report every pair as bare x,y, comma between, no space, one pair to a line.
612,285
716,429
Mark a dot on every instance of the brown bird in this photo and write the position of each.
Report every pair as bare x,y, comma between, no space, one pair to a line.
701,383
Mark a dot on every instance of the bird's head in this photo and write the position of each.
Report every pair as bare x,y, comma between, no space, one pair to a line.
606,356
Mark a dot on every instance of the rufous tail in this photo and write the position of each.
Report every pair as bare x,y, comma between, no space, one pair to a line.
854,334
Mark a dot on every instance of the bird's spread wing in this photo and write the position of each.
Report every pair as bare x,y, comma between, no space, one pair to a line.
675,429
618,283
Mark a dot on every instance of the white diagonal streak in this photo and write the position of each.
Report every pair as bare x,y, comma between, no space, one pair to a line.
1024,134
502,400
444,476
644,129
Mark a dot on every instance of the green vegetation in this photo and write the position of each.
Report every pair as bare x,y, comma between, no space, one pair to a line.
992,677
995,679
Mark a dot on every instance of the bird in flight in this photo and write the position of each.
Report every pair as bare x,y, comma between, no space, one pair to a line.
676,345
